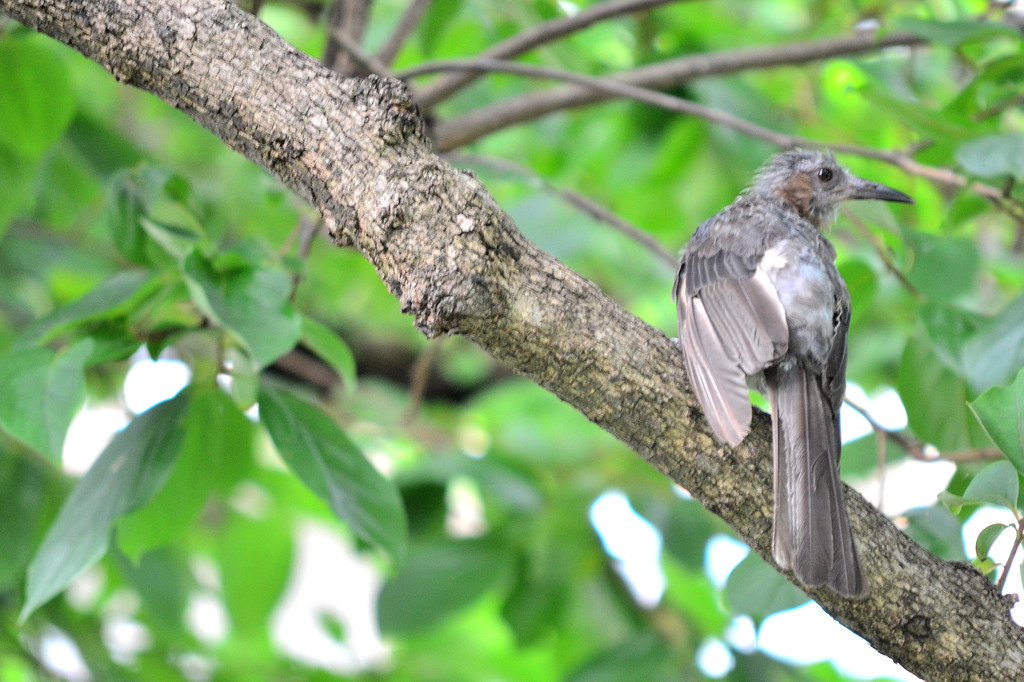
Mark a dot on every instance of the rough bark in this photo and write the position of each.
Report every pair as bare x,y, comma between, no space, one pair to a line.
356,150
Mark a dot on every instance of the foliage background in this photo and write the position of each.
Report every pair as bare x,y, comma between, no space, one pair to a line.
124,225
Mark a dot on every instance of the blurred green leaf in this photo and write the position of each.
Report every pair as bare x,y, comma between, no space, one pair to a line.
253,302
41,391
216,451
437,580
436,19
114,297
995,352
926,121
952,33
533,606
993,155
33,117
323,457
255,556
944,267
164,582
1001,411
127,474
28,488
996,484
323,341
937,530
642,657
938,417
758,590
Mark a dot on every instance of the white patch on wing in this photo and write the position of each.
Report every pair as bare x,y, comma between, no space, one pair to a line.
773,259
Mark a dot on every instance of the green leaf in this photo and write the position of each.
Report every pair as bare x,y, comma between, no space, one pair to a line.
1001,411
995,352
944,267
952,33
16,174
644,656
954,503
986,565
215,453
323,341
996,484
41,392
986,537
253,302
255,558
127,474
438,17
937,530
330,465
30,490
534,604
113,298
758,590
993,155
34,117
437,580
938,417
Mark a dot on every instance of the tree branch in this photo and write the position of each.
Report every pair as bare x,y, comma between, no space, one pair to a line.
531,38
356,150
615,86
408,22
665,75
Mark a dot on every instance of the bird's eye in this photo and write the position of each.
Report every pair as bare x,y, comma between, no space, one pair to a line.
824,174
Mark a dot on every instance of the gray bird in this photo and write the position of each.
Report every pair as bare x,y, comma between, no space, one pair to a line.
759,298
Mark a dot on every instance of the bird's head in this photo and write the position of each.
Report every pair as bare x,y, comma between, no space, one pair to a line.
814,183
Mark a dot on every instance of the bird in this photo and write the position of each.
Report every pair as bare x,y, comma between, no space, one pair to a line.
760,302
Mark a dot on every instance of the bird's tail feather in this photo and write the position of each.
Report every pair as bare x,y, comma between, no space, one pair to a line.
811,528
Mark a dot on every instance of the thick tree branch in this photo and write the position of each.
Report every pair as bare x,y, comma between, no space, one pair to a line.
531,38
664,75
356,150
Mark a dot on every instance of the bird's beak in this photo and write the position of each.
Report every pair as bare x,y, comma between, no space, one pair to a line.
863,189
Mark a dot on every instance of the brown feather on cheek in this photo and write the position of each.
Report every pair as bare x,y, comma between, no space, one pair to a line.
798,191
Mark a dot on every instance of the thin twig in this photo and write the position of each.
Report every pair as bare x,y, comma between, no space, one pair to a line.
531,38
884,253
408,22
585,204
923,451
882,439
419,375
664,75
1018,537
360,56
610,86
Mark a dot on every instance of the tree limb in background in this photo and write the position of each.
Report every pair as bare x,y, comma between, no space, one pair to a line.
355,149
443,88
355,51
671,73
408,22
346,17
613,86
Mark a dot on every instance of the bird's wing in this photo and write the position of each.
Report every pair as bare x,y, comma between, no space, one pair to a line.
834,378
731,324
